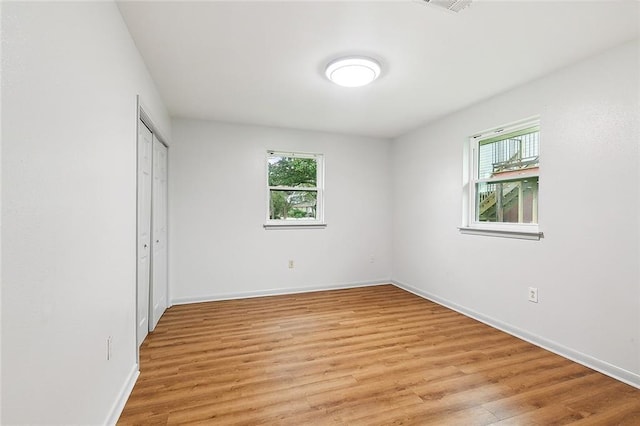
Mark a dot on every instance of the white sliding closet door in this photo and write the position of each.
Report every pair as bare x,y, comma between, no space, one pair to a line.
143,251
158,297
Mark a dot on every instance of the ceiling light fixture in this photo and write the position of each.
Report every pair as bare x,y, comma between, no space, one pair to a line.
353,71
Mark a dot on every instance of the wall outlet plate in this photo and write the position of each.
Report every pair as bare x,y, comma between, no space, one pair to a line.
533,294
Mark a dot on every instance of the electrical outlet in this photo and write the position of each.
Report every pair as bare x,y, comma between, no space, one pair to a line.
109,348
372,259
533,294
291,264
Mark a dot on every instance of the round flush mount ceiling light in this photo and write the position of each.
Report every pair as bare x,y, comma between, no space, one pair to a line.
353,71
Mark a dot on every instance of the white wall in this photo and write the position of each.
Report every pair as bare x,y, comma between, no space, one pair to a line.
218,245
1,219
586,267
70,75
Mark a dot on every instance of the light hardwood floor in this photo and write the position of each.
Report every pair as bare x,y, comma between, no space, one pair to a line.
366,356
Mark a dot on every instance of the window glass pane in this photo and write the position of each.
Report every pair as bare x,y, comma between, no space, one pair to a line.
292,171
514,201
508,154
293,205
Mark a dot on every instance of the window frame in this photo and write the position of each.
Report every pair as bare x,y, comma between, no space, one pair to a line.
318,222
497,229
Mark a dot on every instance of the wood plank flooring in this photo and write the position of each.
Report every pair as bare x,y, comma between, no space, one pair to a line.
366,356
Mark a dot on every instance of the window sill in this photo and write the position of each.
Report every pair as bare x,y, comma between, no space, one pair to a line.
520,234
270,226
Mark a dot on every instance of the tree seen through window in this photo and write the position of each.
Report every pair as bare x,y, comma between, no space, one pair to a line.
293,187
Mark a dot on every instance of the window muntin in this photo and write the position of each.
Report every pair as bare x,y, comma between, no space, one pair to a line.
505,177
295,185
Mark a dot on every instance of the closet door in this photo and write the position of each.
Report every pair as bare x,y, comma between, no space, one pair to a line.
159,281
143,251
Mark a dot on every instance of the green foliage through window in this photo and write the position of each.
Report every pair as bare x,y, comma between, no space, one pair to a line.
293,187
292,172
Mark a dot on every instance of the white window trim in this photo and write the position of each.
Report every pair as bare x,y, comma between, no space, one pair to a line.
319,223
528,231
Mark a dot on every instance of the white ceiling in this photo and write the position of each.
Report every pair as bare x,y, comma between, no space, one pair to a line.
262,62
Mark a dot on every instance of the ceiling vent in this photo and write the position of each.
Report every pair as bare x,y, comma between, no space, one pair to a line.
451,5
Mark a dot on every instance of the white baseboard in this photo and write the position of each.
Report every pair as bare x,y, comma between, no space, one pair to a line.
603,367
274,292
118,406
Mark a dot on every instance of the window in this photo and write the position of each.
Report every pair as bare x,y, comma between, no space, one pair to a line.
503,181
295,189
